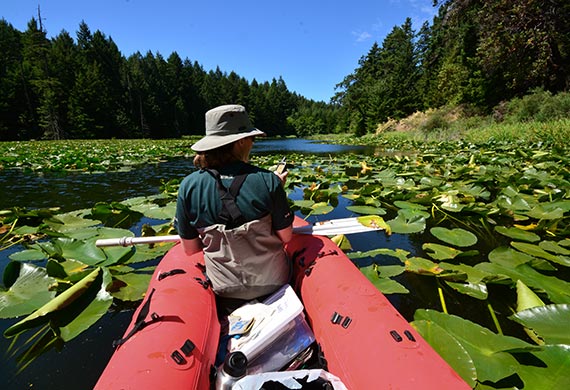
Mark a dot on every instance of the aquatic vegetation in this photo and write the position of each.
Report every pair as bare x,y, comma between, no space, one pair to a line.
489,218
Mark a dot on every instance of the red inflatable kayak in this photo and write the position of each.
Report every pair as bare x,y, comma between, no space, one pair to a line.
172,340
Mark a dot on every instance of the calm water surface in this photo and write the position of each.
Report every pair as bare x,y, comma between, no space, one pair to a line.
83,359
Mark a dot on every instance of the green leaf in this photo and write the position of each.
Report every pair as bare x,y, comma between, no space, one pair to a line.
509,257
517,234
132,286
554,247
449,348
384,284
457,236
321,208
366,210
80,250
90,311
558,290
475,290
550,322
440,252
60,302
489,352
552,370
402,204
537,251
27,293
406,224
526,298
28,255
342,242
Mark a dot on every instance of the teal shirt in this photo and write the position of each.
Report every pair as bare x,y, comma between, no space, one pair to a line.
199,202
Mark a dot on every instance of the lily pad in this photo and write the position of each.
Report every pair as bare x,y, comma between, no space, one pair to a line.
517,234
407,224
554,247
45,313
488,351
131,286
537,251
366,210
457,236
449,348
558,290
475,290
549,321
384,284
28,292
440,252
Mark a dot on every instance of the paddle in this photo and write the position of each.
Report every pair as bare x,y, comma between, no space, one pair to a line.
331,227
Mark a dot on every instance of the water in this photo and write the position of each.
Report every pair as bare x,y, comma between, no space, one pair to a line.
78,365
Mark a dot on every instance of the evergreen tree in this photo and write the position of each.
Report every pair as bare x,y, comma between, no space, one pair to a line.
13,102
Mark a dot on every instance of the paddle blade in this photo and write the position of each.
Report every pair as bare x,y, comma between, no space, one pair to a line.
350,225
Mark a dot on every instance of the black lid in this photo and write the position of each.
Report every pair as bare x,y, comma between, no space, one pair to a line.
235,364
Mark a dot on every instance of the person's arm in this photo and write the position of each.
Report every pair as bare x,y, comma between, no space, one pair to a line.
191,246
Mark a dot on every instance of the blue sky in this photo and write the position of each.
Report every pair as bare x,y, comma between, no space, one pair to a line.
312,45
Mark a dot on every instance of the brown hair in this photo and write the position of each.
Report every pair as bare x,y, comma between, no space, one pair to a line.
215,158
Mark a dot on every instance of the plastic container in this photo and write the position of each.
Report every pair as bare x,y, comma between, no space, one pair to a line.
276,318
296,339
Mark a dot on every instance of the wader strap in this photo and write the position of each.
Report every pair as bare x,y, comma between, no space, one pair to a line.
140,322
230,215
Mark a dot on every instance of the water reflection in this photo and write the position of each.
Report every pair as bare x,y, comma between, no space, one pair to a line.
300,145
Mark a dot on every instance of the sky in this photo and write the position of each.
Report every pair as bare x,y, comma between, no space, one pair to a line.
312,45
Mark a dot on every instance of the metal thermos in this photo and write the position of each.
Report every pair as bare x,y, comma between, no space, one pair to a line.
233,369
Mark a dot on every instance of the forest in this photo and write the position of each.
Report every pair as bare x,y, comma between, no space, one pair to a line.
475,54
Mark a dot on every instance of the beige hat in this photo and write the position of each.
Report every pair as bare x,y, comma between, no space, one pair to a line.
224,125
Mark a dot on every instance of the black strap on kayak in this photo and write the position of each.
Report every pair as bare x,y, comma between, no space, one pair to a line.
230,215
141,322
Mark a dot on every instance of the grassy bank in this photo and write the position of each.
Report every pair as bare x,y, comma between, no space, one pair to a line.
538,118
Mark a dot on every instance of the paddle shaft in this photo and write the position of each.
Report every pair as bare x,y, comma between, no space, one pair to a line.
332,227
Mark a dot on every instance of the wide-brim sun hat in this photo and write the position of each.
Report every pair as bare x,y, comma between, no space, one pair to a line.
224,125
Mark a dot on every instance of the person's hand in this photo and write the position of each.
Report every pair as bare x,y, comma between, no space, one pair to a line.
282,176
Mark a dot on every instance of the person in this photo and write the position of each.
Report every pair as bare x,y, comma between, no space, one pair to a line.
236,213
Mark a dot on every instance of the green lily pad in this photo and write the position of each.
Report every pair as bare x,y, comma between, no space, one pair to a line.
28,255
537,251
475,290
303,204
383,282
365,210
440,252
399,254
554,247
549,321
27,293
64,300
407,224
449,348
526,298
558,290
509,257
457,236
321,208
132,286
79,250
342,242
551,372
517,234
90,309
402,204
488,351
